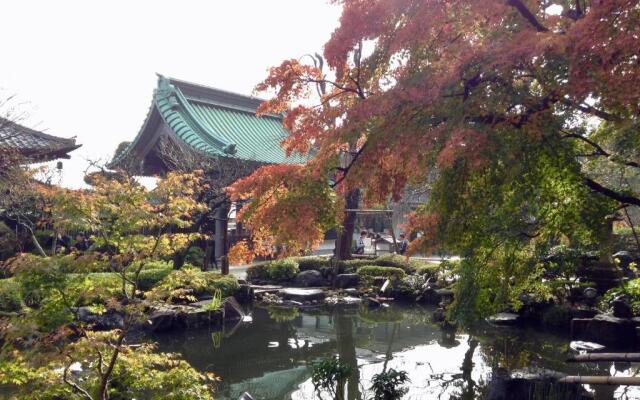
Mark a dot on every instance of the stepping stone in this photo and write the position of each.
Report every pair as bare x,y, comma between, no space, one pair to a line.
302,295
589,347
504,319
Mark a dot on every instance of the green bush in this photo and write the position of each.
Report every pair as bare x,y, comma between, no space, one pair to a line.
227,285
188,283
557,317
309,263
430,270
105,284
351,266
283,270
258,272
630,289
155,264
195,256
275,271
394,260
149,278
372,271
10,296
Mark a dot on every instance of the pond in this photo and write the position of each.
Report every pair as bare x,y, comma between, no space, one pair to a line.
271,354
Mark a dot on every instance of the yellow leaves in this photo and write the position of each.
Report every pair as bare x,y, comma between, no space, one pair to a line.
123,214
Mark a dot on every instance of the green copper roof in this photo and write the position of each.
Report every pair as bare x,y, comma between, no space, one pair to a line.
215,122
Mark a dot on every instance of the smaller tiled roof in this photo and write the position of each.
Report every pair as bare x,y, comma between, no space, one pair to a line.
32,144
214,122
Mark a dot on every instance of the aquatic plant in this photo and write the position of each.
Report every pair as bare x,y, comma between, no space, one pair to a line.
330,375
216,301
387,385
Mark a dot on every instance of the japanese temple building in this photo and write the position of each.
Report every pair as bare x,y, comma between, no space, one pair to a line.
195,119
33,146
190,126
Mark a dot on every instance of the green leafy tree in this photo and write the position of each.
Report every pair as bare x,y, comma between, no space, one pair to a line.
131,227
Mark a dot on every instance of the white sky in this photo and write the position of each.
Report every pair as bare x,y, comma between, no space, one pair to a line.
88,68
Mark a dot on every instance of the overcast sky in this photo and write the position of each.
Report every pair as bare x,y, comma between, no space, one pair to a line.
88,68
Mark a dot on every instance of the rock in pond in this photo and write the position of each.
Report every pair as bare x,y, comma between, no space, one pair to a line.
373,302
605,329
347,281
310,278
169,317
344,300
504,319
589,347
302,295
621,308
522,385
108,320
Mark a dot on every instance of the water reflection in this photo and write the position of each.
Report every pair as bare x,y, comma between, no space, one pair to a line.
271,357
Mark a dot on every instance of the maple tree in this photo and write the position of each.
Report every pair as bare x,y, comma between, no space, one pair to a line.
506,102
131,227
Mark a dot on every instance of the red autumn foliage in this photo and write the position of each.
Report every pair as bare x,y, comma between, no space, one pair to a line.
440,79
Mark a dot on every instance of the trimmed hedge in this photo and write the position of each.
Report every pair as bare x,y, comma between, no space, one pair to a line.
227,285
275,271
372,271
258,272
10,296
187,282
309,263
149,278
283,270
351,266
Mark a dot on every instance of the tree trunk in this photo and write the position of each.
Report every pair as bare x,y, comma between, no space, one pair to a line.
37,245
220,242
208,255
347,353
179,257
345,236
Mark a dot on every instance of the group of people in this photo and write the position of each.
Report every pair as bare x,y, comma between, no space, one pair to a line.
61,243
401,244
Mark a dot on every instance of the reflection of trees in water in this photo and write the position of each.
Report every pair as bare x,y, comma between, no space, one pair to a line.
347,354
463,382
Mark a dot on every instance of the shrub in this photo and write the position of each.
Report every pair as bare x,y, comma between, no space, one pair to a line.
283,270
105,284
195,256
188,283
557,317
330,374
308,263
630,289
387,385
372,271
430,270
394,260
155,264
10,297
258,272
351,266
149,278
227,285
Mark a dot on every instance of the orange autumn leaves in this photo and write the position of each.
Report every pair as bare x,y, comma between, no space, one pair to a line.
289,210
441,83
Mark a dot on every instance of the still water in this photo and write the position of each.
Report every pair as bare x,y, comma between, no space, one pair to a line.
270,356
